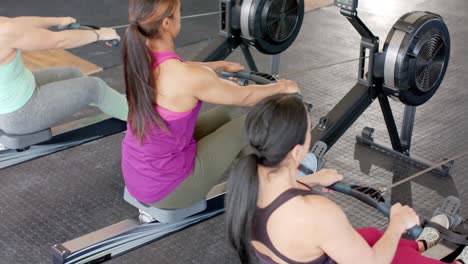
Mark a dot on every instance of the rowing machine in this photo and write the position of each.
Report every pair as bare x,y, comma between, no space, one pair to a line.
130,234
271,26
409,69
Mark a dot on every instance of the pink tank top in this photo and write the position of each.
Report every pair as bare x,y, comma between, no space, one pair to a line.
154,168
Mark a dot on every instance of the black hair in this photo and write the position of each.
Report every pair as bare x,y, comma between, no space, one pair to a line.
274,127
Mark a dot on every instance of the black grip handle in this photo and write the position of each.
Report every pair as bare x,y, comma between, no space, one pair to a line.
246,75
69,27
382,207
341,187
414,232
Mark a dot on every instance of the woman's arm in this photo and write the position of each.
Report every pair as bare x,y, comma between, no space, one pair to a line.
208,87
44,22
211,64
339,240
21,36
218,66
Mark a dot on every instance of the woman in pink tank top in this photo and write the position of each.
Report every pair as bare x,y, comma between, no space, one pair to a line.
171,156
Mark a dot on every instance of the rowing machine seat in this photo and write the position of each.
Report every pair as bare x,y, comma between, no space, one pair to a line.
20,142
165,215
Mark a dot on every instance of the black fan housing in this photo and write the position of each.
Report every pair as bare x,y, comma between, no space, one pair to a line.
417,52
271,25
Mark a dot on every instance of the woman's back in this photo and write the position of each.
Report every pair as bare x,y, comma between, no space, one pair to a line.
154,166
279,225
174,87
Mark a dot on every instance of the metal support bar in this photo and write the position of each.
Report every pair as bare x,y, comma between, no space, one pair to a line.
390,122
342,116
407,128
275,64
357,23
249,58
219,49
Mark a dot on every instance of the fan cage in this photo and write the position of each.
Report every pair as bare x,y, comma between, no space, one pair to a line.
430,63
282,19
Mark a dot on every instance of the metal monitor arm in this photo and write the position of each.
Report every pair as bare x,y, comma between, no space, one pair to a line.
368,50
331,127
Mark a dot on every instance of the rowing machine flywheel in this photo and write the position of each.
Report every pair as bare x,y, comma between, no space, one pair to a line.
271,25
417,52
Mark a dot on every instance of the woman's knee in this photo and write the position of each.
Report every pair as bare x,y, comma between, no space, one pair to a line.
210,121
221,113
370,234
98,81
74,72
99,86
238,125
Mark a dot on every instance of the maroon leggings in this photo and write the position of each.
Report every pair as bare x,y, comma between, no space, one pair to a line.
407,251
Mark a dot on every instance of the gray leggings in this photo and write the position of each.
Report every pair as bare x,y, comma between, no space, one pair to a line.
60,93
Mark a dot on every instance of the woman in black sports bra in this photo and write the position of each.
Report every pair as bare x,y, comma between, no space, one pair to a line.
279,219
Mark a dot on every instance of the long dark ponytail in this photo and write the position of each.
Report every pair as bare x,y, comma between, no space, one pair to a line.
145,18
274,126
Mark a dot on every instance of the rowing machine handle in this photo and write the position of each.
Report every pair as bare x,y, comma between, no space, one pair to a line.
256,78
382,207
246,75
341,187
240,74
74,26
414,232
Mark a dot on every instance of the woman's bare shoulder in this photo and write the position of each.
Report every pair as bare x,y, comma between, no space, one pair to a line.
194,75
6,25
313,209
303,222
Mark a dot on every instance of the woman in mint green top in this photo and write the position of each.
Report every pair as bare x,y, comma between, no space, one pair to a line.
33,101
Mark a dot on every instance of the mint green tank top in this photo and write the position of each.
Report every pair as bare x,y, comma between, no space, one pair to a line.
17,85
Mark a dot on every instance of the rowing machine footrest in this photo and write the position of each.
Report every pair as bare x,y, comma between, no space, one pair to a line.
20,142
451,208
319,149
165,215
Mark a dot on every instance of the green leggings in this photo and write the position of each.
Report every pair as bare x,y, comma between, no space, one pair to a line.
219,141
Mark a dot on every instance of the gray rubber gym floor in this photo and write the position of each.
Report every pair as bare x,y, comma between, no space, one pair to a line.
77,191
